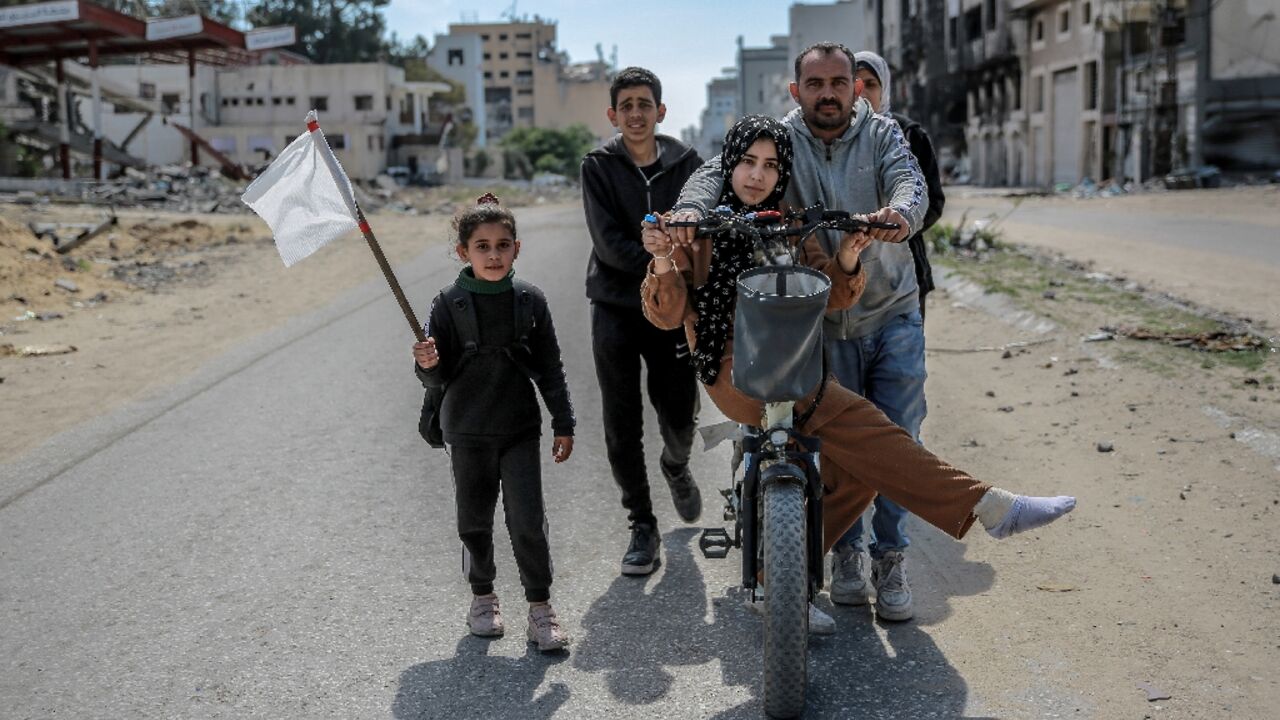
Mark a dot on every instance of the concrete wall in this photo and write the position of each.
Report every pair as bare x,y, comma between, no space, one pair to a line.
851,22
459,58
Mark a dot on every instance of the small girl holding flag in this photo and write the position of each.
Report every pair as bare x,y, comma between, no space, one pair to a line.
489,336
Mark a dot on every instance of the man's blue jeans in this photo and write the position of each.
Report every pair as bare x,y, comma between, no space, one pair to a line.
887,368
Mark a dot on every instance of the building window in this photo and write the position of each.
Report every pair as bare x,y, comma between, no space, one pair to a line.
504,73
1038,33
226,102
524,91
235,102
1091,85
320,102
1016,84
289,100
276,100
370,139
147,91
488,56
954,37
337,141
525,113
1086,13
503,56
455,57
524,36
488,75
259,101
990,13
388,103
1037,95
485,37
1064,20
525,55
381,143
503,37
364,102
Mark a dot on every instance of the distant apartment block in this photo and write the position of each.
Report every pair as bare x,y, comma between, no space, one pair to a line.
370,114
527,82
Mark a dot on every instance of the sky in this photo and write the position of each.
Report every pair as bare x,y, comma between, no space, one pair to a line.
685,43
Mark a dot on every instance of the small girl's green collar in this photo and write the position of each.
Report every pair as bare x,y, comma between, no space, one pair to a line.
468,281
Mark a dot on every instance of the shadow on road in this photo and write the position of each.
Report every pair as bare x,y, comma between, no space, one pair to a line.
474,684
640,637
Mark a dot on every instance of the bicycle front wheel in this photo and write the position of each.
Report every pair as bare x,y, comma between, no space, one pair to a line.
786,600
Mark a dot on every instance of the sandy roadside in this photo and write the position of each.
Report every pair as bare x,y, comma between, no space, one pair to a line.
139,342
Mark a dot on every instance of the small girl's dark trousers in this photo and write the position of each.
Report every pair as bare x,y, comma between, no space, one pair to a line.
478,474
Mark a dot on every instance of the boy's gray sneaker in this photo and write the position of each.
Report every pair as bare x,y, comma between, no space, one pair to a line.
545,630
893,594
849,577
642,555
685,494
484,618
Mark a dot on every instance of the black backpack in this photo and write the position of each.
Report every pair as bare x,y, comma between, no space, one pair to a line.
463,313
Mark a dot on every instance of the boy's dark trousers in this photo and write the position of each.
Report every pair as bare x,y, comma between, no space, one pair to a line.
477,474
620,337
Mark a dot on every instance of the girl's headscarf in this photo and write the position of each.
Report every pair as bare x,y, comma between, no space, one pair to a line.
738,141
730,256
880,68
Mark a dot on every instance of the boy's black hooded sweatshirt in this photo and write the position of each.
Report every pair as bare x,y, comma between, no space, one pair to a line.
616,195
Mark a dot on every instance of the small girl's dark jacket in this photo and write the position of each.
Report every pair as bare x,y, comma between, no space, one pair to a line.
489,398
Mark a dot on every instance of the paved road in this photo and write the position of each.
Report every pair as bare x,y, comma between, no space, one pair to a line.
1218,248
271,539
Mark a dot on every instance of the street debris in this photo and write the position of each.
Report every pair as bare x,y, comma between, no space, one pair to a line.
69,236
991,348
1213,341
1106,447
1056,587
1099,337
9,350
1153,693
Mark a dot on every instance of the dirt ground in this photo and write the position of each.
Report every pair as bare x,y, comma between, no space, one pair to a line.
1166,573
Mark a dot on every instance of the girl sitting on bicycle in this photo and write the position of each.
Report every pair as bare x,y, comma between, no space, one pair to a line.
863,452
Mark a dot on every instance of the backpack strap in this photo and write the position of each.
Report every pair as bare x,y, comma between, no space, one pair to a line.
524,300
463,312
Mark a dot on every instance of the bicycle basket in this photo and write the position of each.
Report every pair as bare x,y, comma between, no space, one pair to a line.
777,332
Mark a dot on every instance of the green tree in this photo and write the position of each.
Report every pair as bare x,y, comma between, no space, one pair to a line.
329,31
549,150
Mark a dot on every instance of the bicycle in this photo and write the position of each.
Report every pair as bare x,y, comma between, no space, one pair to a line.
776,503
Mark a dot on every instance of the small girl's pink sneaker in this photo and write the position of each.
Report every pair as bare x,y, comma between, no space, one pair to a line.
544,628
485,619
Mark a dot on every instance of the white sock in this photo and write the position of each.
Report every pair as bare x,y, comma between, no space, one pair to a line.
1003,514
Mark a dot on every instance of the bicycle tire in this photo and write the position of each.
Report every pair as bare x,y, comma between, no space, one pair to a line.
786,600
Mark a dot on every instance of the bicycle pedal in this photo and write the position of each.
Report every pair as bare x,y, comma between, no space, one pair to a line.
714,543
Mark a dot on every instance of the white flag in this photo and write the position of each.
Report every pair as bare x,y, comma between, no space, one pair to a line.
304,196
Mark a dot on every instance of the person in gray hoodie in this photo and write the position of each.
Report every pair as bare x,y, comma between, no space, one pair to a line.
847,157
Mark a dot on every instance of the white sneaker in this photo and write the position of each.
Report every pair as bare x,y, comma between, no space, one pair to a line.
820,623
849,577
893,593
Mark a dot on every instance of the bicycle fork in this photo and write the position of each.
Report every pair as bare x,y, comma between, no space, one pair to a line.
779,454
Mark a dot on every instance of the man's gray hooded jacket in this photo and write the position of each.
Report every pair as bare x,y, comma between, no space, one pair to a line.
869,167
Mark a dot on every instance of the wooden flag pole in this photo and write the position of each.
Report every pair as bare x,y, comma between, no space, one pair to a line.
390,276
313,125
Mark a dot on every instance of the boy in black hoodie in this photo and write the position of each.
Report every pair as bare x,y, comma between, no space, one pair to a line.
638,172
